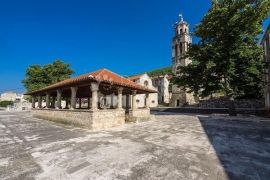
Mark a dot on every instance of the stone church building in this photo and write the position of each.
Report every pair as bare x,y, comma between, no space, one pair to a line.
145,81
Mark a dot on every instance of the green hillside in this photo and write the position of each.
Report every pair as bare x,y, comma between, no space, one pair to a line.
160,72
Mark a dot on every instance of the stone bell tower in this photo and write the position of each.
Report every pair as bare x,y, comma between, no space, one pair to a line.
180,44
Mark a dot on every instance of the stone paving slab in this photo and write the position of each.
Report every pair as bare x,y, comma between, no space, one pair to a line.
171,147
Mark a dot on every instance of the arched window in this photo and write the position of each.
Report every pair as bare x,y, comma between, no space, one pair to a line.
146,83
181,48
181,31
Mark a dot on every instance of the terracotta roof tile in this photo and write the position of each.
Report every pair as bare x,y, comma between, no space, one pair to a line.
102,75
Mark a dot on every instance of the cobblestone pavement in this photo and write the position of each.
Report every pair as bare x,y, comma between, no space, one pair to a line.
171,147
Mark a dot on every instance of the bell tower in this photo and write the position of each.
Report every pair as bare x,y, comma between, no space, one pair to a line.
180,44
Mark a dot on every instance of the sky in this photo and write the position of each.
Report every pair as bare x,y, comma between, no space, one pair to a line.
127,37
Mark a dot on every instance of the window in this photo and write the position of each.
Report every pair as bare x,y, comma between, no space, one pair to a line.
175,50
181,48
181,31
146,83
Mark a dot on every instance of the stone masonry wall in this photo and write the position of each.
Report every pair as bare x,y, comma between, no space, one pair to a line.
104,119
239,103
95,120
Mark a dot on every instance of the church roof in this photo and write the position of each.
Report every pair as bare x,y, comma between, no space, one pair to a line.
102,75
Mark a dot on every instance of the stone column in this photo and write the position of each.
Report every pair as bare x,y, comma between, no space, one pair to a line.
47,100
59,98
112,98
88,103
53,102
147,99
73,97
119,98
66,103
33,102
134,103
39,101
80,103
127,101
94,102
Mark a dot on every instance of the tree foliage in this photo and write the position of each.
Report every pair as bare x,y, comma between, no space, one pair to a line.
227,57
41,76
6,103
160,72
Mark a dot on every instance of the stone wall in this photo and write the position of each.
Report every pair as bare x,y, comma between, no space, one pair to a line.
105,119
239,103
95,120
138,115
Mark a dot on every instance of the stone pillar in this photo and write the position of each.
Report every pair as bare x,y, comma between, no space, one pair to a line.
80,103
47,100
88,103
134,103
112,98
73,97
33,102
119,98
66,103
39,101
94,102
147,100
127,101
53,102
59,98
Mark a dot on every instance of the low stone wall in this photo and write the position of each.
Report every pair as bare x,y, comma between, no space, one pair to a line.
239,103
95,120
104,119
196,110
138,115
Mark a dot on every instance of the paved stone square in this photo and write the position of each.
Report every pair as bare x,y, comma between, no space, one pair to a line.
171,147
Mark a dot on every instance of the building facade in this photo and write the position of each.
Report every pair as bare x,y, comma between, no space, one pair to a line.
11,96
145,81
180,44
266,46
162,84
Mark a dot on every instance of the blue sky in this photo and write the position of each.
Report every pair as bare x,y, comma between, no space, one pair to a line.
128,37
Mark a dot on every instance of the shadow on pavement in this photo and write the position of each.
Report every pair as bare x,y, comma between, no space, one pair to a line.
243,147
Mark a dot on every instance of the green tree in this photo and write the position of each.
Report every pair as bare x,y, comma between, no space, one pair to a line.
160,72
41,76
227,57
6,103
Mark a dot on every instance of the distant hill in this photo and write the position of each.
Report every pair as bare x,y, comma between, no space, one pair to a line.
160,72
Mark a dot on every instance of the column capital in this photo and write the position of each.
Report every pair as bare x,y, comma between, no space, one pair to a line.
134,92
94,86
74,88
120,89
